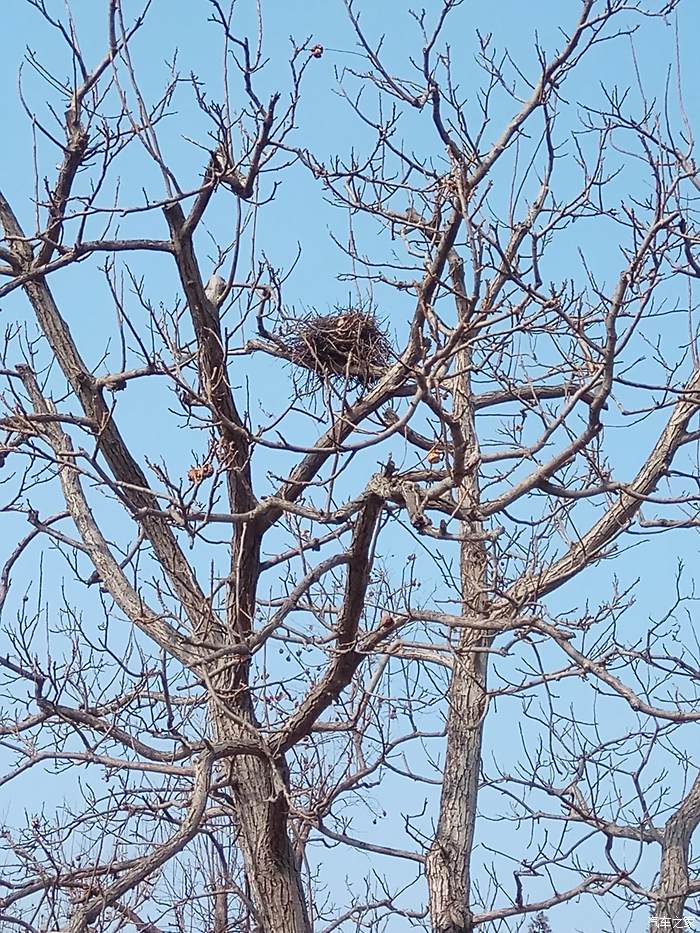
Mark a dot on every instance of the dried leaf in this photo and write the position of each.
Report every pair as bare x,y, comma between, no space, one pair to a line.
198,473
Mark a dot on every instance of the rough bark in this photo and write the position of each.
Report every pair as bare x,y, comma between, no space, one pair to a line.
448,861
674,879
259,789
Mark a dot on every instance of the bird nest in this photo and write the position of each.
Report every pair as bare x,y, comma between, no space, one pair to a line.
349,346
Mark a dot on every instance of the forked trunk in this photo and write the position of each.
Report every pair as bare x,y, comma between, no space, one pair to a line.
259,786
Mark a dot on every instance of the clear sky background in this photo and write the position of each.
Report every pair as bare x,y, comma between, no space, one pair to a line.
301,217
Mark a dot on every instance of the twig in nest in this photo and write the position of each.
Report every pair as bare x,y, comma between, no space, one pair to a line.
350,346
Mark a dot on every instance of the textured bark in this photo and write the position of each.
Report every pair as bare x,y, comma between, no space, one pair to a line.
131,483
674,880
448,862
258,786
259,789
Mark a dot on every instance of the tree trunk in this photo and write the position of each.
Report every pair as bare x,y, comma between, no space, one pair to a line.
259,790
448,861
259,786
674,887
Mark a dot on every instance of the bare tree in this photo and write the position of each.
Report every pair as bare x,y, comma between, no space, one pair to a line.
331,619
